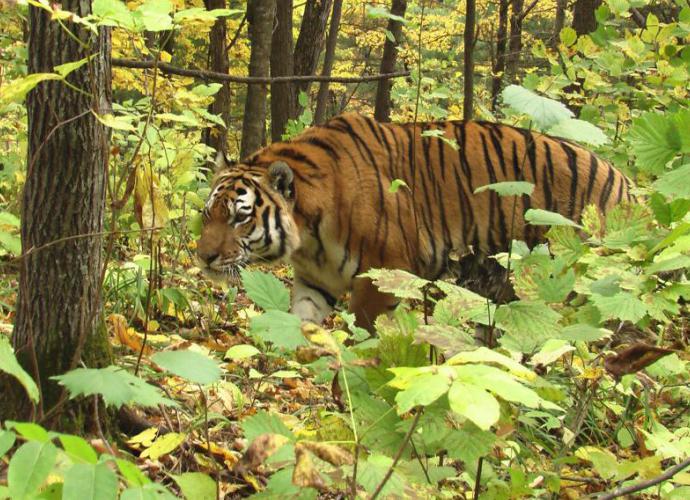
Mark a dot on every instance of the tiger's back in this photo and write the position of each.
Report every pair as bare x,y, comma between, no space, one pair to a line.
349,221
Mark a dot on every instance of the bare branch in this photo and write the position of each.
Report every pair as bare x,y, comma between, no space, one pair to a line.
668,474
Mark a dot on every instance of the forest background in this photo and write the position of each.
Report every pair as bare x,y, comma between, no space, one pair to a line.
179,386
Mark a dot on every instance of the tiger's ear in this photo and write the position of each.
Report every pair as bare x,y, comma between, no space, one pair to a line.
281,178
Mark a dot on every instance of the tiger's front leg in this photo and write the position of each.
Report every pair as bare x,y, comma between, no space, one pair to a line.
311,302
367,303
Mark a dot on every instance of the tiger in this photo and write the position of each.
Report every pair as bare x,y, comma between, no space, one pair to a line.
323,203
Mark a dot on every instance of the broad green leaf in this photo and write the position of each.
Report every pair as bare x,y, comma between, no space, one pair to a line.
164,444
400,283
544,112
190,365
528,324
374,469
449,339
422,391
582,332
513,188
7,439
470,443
17,90
78,449
132,473
116,122
568,36
90,481
396,184
580,131
65,69
10,242
281,329
485,355
383,12
498,382
113,13
29,468
655,141
196,485
241,351
8,219
266,290
154,15
624,306
149,491
30,431
674,184
474,403
604,461
9,365
117,387
264,423
539,217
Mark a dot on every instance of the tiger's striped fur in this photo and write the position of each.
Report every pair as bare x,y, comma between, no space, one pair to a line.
322,202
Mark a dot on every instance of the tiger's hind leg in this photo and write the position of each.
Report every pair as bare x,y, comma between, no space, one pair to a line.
367,303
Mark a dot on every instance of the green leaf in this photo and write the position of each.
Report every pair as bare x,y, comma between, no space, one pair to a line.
9,365
190,365
674,184
423,390
580,131
11,243
498,382
396,184
582,332
374,469
266,290
241,351
383,13
78,449
196,485
65,69
624,306
30,431
90,481
470,443
655,141
400,283
7,439
29,468
147,492
131,473
528,324
281,329
8,219
514,188
568,36
485,355
264,423
201,14
544,112
117,387
116,122
113,13
539,217
474,403
17,90
164,445
154,15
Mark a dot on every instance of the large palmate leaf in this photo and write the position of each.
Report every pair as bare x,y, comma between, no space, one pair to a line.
29,467
544,112
655,141
674,184
580,131
90,482
189,365
279,328
266,290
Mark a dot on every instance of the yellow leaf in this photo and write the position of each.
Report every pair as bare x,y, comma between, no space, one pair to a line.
144,438
164,445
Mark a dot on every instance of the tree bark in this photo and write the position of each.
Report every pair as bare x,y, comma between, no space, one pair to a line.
382,109
283,98
500,60
559,22
322,96
468,90
310,42
515,43
217,136
584,20
260,17
59,300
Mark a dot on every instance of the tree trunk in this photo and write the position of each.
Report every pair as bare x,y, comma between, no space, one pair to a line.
468,90
584,20
59,301
515,43
310,42
559,22
260,17
382,110
500,61
283,98
322,96
217,136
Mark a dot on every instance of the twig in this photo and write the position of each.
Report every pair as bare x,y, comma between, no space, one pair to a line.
223,77
398,454
478,478
668,474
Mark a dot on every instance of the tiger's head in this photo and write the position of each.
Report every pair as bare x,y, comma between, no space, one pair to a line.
247,218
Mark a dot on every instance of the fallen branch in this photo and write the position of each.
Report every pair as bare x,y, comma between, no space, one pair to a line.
668,474
222,77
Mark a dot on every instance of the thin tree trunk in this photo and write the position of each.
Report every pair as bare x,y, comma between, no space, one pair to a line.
515,43
309,43
559,22
217,136
584,20
322,96
58,306
283,98
500,61
382,109
468,90
260,17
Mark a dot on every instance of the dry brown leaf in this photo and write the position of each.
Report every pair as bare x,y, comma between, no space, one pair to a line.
309,354
366,363
337,392
634,358
329,453
126,336
305,474
261,448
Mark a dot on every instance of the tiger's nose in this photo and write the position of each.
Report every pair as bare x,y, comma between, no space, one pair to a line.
208,258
